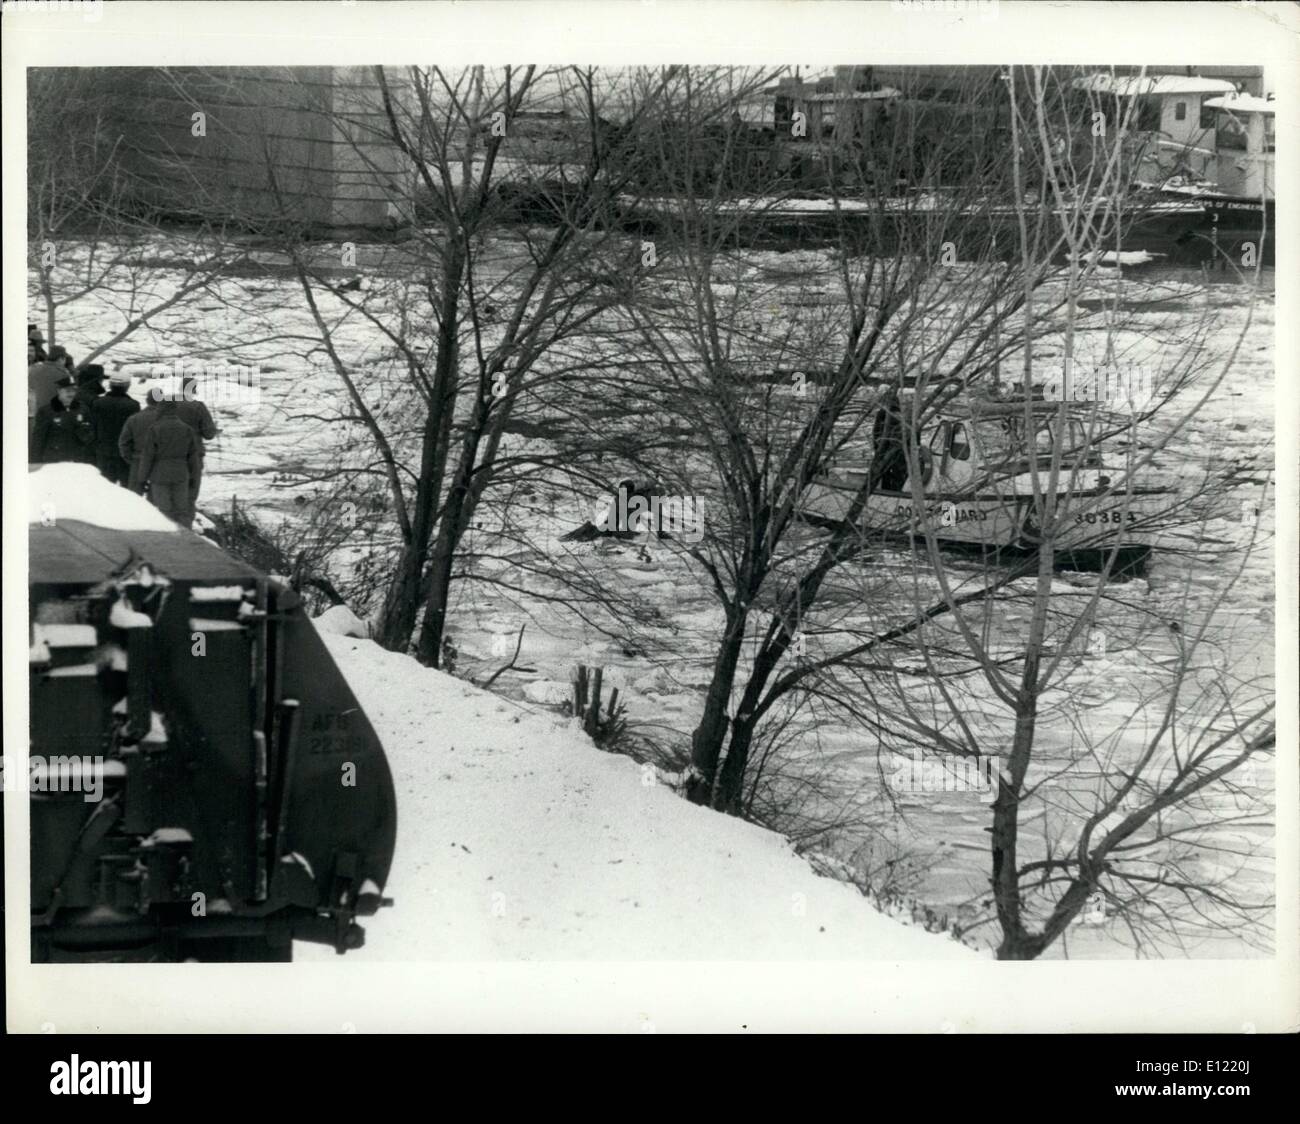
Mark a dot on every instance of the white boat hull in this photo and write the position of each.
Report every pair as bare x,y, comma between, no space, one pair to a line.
1090,519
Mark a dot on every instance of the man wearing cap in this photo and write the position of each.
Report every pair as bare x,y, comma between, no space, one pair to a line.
194,413
169,460
110,413
90,383
61,430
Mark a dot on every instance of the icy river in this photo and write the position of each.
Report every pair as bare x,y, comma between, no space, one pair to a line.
938,841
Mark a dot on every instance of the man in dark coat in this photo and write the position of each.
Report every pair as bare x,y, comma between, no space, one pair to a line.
62,430
110,413
90,384
194,413
130,442
36,341
169,461
43,379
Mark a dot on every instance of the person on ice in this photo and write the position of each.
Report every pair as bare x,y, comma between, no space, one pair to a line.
170,459
889,464
110,413
62,430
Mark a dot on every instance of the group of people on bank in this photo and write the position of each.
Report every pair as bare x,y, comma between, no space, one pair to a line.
156,451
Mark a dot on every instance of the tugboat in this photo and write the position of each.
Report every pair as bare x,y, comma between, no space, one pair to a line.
977,460
1237,190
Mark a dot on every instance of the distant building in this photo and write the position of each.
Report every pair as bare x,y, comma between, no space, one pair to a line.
298,145
841,107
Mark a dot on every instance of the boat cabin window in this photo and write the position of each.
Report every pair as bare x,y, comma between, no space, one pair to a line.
1003,439
939,439
959,443
1180,111
949,439
1074,445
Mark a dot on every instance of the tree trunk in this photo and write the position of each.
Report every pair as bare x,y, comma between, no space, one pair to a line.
402,601
403,598
456,514
729,797
429,649
1017,943
711,732
47,293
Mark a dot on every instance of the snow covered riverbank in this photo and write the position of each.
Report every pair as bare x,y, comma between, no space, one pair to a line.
518,839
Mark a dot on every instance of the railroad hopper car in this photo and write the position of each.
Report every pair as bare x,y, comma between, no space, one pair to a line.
203,784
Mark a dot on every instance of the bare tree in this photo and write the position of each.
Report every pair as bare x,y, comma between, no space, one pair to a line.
899,310
95,236
1146,821
495,313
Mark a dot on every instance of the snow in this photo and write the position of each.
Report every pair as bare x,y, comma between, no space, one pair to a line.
157,734
518,839
206,624
1243,103
66,635
74,671
168,835
121,615
1161,85
78,491
301,860
1128,257
339,620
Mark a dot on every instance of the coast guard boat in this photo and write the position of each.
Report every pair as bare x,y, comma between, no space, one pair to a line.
977,462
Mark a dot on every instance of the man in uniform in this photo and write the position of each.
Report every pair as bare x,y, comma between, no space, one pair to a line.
61,429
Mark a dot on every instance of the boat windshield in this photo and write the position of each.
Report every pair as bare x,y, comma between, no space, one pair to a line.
1002,439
